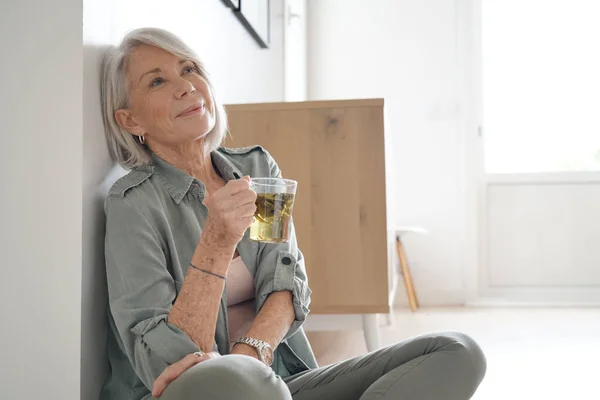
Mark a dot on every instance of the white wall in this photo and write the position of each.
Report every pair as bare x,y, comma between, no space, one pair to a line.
295,53
40,205
543,234
406,52
534,236
540,239
241,72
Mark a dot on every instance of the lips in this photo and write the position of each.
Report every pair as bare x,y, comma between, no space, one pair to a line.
191,110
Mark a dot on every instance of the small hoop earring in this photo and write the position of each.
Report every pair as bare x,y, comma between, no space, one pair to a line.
142,139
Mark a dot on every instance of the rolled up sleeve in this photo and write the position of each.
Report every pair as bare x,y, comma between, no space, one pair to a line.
141,292
281,267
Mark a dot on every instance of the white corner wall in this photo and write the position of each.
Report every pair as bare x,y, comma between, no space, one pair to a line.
40,203
406,52
241,72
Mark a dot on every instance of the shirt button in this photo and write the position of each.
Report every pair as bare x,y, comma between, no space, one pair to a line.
286,261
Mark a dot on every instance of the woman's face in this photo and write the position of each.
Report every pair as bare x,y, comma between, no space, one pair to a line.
169,102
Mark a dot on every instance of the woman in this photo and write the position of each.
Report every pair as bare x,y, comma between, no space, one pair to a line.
196,309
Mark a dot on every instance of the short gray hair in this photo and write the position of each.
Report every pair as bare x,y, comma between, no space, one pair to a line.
122,145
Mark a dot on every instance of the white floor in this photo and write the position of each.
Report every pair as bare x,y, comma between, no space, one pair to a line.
532,353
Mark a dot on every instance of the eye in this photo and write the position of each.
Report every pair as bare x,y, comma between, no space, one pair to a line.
156,81
190,69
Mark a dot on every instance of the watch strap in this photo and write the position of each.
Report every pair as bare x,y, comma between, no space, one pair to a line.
259,345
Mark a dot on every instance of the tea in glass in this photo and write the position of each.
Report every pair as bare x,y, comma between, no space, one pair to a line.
274,205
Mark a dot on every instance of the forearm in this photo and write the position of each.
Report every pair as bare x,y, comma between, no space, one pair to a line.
274,319
196,309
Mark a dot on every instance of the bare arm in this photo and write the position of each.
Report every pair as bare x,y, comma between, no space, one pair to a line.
196,308
271,324
195,311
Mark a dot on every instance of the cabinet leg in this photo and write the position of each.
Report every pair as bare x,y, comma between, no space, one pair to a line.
390,317
371,331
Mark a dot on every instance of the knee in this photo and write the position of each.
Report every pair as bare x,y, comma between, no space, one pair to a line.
253,380
469,353
230,377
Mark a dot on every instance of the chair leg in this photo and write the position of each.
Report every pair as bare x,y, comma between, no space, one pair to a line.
408,282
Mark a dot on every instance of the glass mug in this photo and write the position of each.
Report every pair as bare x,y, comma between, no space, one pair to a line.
274,204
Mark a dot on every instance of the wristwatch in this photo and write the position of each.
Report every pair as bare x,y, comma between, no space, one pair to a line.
263,349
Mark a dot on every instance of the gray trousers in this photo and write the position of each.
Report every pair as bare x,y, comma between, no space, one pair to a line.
448,365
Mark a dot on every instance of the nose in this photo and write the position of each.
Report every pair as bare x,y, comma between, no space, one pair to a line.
184,89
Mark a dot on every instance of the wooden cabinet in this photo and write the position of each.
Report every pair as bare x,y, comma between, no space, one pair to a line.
336,150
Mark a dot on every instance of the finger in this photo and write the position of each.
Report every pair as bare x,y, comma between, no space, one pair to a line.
173,371
169,375
232,203
247,177
185,363
245,197
246,210
247,220
235,186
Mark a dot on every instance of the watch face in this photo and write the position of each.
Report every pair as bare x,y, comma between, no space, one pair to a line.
267,353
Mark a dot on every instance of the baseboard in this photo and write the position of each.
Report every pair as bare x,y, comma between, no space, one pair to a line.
483,303
539,296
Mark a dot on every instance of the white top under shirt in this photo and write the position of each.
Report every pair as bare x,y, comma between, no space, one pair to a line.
240,299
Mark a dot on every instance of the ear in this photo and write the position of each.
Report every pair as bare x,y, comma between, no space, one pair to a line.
126,121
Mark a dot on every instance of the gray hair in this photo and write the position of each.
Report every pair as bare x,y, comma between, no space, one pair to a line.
122,145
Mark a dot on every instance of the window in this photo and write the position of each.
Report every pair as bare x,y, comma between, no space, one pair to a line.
541,85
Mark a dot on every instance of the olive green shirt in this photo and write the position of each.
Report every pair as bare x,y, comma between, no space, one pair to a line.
154,220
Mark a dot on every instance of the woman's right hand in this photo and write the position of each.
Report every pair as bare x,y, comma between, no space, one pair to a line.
230,213
173,371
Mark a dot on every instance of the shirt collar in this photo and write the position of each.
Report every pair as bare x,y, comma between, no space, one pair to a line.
178,182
